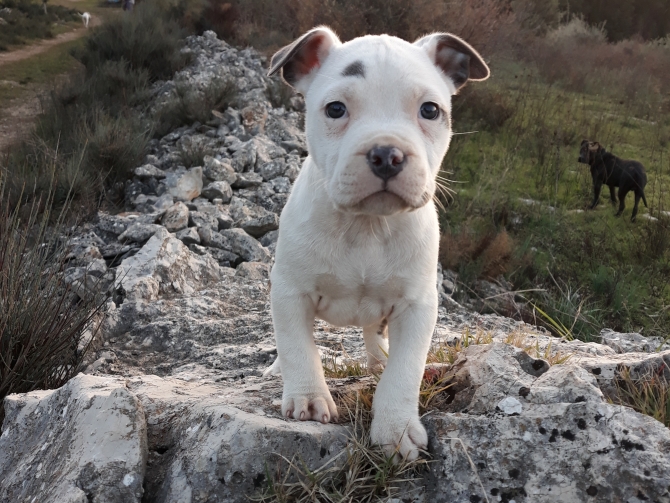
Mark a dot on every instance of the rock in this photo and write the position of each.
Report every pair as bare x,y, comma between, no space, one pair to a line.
291,145
584,451
629,343
217,442
281,185
149,171
139,233
272,169
269,238
164,202
253,270
246,246
224,258
219,171
245,180
201,219
187,186
176,217
218,190
510,406
188,236
253,118
164,264
86,441
254,219
244,158
210,237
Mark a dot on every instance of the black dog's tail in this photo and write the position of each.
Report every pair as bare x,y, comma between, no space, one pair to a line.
644,200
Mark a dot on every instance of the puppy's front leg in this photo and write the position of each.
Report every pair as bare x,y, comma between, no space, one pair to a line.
306,394
395,424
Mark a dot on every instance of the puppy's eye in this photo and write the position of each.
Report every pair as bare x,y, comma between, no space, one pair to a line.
430,111
336,110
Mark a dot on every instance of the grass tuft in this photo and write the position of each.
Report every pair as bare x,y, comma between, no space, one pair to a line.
43,324
648,394
361,472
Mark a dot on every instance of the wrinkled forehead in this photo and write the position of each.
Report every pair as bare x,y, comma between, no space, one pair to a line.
383,68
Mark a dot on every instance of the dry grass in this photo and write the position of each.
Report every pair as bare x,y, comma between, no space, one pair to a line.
648,395
42,322
524,340
486,255
361,472
268,24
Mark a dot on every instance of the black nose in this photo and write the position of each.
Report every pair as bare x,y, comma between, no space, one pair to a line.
386,162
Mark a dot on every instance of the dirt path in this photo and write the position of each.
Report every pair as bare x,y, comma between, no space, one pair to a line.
18,116
39,47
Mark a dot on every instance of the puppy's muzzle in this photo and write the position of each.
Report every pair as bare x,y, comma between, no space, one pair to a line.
386,162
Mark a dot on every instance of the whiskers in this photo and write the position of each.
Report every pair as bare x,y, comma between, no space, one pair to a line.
443,191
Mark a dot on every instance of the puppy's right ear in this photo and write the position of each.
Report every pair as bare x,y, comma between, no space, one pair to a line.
299,60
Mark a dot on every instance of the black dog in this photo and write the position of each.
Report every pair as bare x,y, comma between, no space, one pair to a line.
613,172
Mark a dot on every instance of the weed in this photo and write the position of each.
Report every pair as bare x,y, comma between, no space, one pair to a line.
520,340
42,323
648,394
279,94
361,472
341,368
188,105
193,154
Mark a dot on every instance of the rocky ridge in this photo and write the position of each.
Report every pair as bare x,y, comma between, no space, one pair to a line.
172,406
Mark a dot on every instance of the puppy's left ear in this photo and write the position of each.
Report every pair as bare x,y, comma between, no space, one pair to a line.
299,61
457,59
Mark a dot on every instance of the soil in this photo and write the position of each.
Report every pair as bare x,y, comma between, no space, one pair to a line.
19,115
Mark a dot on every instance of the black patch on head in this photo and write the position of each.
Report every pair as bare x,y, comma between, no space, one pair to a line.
355,69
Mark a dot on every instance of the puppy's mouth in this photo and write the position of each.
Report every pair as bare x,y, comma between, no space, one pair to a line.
384,203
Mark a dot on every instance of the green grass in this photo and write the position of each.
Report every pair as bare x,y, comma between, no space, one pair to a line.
596,268
26,21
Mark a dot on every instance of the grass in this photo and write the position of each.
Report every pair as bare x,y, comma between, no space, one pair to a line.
43,324
648,395
23,77
593,269
361,472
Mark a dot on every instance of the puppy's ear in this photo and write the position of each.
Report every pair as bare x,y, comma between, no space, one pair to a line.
457,59
298,61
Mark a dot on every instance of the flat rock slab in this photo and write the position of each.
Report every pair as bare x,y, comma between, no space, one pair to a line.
85,442
558,453
217,443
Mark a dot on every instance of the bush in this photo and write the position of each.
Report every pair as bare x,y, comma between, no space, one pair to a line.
96,127
150,40
187,104
43,324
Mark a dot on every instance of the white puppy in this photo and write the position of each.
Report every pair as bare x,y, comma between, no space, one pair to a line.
358,238
85,17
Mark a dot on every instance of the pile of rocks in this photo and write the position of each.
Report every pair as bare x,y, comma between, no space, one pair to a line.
172,406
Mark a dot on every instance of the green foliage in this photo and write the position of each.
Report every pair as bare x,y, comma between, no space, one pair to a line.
26,20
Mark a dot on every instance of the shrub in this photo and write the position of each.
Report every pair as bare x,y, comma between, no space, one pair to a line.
42,324
187,104
148,40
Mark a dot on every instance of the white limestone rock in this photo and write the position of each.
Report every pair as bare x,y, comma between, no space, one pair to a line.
86,441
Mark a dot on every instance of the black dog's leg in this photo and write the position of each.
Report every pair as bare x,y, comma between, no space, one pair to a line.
596,194
622,200
638,196
612,196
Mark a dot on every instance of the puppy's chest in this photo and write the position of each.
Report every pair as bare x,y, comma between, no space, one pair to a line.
357,299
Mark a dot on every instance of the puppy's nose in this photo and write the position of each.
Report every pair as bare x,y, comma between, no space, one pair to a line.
386,162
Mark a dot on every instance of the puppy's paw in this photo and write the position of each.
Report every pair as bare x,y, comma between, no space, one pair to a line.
316,406
400,438
273,370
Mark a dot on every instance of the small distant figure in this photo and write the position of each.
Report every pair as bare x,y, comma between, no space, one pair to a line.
608,169
128,5
85,17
